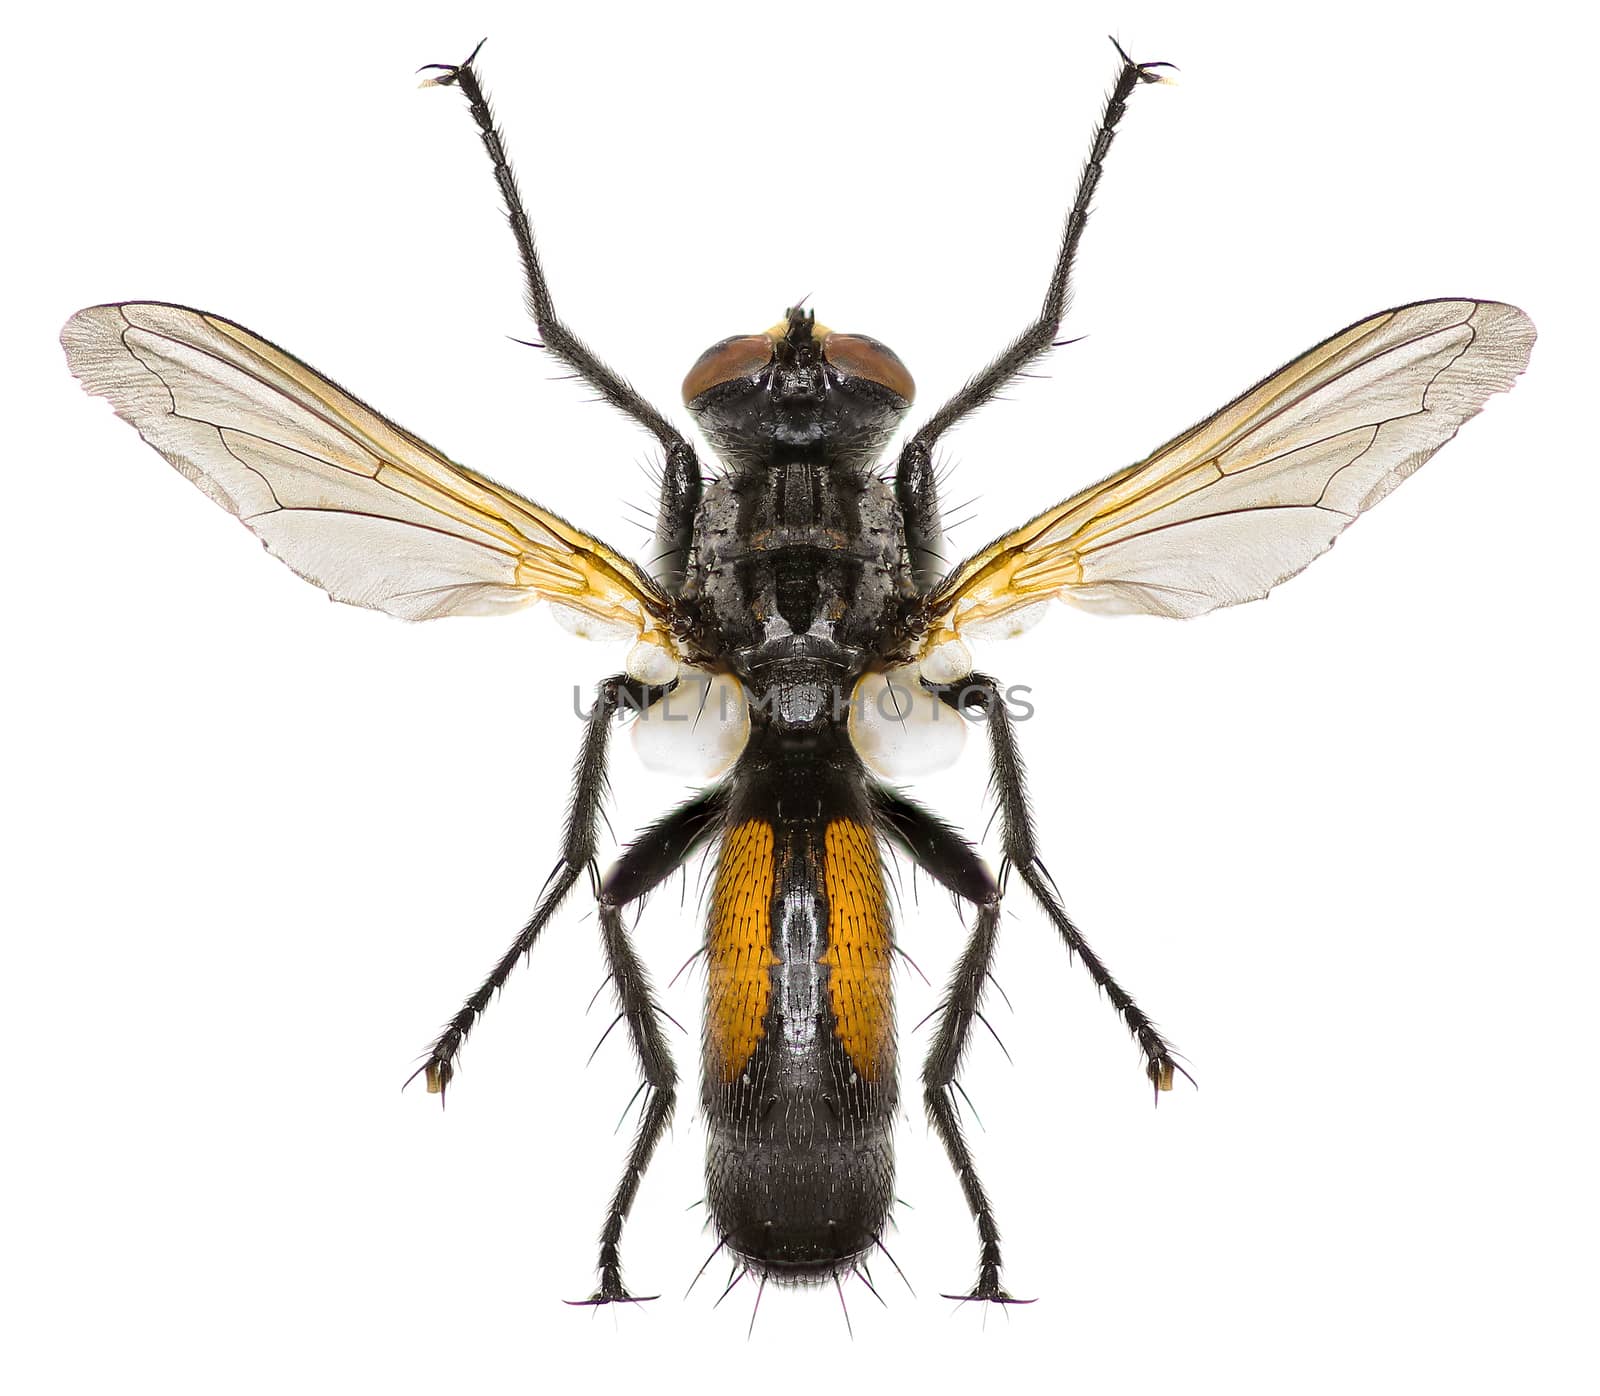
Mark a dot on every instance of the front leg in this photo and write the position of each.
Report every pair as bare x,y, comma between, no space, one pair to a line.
916,486
682,489
681,485
916,491
555,334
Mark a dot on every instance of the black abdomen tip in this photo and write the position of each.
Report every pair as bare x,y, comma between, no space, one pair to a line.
799,1212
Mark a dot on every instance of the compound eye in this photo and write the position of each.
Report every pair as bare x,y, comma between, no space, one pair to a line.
743,356
860,356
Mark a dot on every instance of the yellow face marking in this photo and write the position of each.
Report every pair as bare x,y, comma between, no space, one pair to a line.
739,956
819,332
860,940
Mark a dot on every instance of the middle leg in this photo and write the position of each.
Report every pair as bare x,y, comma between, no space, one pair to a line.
577,853
981,695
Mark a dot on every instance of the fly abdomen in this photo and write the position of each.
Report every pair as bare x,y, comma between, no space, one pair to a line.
799,1071
800,1211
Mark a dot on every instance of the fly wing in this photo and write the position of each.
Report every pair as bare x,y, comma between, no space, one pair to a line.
353,503
1252,495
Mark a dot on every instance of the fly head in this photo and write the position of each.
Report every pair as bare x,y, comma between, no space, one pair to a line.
798,391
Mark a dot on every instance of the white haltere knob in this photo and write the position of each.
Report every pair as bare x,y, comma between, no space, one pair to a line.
949,662
651,663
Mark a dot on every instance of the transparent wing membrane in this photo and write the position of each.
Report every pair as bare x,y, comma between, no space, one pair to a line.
1252,495
353,503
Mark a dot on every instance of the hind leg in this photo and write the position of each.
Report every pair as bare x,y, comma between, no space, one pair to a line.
659,852
947,857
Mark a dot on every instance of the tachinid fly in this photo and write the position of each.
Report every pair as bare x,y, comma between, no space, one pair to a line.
790,594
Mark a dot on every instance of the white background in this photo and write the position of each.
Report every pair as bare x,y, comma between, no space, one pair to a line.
1341,843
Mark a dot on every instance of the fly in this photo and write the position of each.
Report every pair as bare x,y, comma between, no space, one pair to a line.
798,604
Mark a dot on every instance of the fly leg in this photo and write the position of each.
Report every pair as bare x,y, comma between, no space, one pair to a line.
980,694
681,489
577,853
655,855
681,481
916,486
942,853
